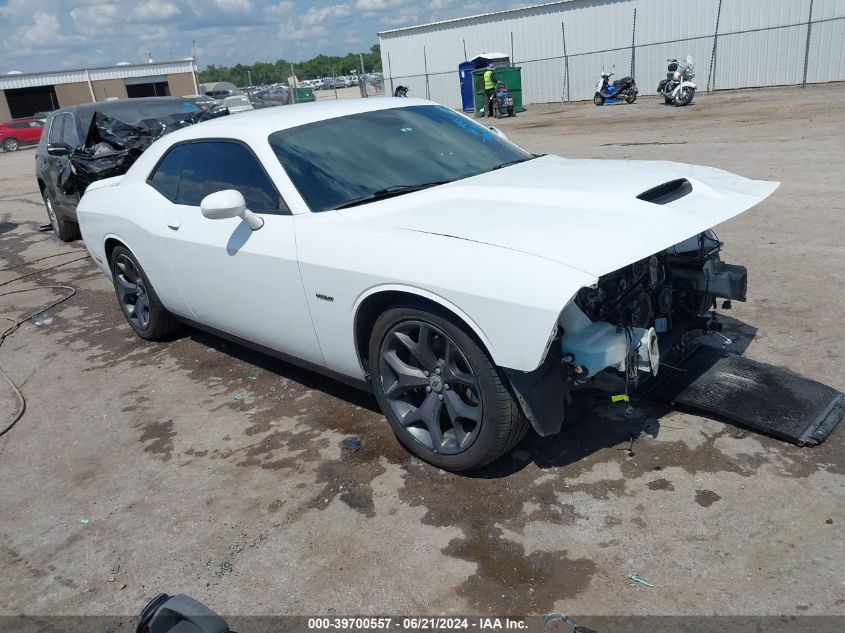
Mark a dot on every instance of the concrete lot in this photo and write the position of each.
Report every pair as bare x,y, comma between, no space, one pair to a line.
252,506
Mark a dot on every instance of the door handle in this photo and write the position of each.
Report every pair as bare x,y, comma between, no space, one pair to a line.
174,223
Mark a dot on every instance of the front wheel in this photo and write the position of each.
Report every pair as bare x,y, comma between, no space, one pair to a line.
598,99
138,299
443,397
11,145
631,97
511,112
684,96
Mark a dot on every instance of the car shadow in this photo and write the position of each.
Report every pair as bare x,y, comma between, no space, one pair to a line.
305,377
592,423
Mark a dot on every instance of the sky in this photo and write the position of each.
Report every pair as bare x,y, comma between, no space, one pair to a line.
44,35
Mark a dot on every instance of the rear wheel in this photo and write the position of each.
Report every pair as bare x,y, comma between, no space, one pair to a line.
442,395
598,99
65,230
11,145
138,299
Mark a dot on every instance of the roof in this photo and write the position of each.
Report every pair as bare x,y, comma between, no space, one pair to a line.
268,120
118,104
78,75
454,22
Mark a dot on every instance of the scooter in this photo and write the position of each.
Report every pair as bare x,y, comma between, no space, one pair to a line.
401,91
622,89
678,88
500,100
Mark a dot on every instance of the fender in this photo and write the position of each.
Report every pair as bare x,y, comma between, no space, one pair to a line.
684,84
425,294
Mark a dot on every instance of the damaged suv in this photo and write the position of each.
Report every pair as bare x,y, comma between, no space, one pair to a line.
395,244
84,143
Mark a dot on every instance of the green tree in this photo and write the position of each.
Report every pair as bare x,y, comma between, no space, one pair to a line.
319,66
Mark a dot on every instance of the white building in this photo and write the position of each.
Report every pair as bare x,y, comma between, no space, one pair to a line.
564,45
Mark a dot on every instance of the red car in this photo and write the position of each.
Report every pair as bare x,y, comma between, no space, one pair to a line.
19,132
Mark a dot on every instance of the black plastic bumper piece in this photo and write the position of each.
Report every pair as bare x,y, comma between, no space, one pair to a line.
542,395
761,397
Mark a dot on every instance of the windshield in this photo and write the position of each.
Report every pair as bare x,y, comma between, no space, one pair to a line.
336,162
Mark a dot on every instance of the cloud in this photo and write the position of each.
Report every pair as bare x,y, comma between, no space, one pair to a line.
55,34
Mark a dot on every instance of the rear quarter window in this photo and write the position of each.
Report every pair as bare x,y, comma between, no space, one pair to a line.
167,174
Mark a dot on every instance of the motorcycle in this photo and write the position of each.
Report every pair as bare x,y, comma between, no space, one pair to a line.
500,100
678,88
621,89
401,91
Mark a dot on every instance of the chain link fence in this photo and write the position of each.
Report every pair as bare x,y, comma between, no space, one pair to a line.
801,53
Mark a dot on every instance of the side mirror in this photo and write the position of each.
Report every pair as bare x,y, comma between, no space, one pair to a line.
498,132
58,149
229,203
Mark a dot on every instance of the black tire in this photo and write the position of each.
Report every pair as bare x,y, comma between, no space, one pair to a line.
511,112
667,100
159,323
65,230
684,97
598,99
631,97
11,145
501,424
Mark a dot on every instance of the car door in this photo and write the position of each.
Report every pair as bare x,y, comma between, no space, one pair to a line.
233,279
32,131
62,133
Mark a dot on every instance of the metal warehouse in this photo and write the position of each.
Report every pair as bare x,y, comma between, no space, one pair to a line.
563,46
23,95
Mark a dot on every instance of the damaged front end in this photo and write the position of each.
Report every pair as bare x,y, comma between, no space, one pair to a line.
612,336
614,331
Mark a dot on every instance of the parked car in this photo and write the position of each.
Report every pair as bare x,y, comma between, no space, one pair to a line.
205,102
14,134
400,246
68,128
237,103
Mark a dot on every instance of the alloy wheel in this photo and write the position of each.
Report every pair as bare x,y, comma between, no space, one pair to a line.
132,292
11,145
430,387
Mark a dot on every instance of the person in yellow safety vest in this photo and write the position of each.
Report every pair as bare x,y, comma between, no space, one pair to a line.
489,88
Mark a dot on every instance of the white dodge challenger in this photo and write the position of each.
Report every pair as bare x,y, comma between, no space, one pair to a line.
395,244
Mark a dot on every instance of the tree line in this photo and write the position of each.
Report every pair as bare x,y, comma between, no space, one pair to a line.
314,68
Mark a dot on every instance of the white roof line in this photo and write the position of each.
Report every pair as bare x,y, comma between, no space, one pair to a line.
472,17
113,67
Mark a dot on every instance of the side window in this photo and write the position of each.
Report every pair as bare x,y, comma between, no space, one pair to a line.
56,129
69,135
166,176
212,166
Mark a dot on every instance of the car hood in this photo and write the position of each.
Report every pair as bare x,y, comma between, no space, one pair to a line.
581,213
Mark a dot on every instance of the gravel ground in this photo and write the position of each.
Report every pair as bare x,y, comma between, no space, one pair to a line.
134,469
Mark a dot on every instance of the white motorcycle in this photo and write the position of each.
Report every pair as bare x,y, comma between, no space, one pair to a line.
678,88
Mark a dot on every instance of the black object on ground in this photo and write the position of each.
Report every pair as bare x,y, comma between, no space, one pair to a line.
764,398
351,443
179,614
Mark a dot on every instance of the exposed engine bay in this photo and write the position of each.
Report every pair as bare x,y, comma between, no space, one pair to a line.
613,331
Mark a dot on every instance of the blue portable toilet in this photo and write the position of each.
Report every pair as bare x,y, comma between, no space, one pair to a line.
465,75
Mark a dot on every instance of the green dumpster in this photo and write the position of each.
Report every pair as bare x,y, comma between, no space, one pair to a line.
303,95
511,76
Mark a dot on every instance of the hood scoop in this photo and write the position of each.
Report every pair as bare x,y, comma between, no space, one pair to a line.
667,192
